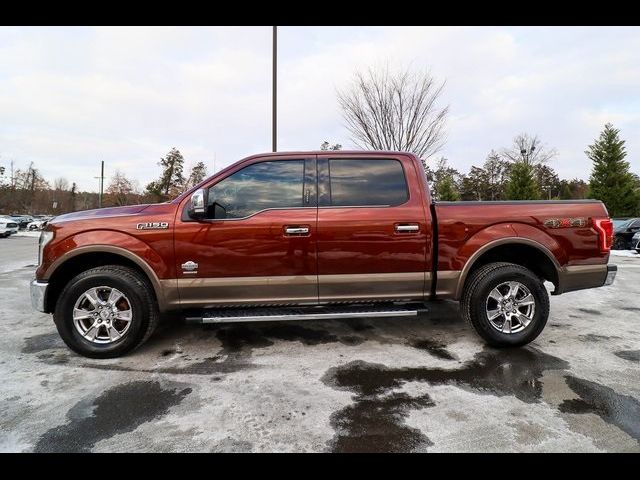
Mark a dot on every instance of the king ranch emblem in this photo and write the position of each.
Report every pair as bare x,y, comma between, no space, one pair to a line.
152,226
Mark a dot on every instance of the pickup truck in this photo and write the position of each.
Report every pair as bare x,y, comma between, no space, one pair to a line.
315,235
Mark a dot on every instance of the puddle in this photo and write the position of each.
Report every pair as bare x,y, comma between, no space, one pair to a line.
503,372
623,411
590,311
120,409
435,348
631,355
40,343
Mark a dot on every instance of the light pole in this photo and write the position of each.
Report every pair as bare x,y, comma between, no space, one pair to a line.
101,178
527,155
274,107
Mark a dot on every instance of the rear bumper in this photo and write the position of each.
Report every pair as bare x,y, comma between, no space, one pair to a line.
580,277
38,295
612,270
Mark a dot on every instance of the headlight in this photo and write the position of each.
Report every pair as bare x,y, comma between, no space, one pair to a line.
45,237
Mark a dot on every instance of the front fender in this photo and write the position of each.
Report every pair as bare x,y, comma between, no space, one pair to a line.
152,259
155,260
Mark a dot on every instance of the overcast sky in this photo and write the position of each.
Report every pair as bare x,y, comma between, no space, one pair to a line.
70,97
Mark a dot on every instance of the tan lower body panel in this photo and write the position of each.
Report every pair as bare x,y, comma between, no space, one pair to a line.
226,291
447,283
373,286
297,290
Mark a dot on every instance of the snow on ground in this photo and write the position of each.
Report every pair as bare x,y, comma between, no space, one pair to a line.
625,253
28,233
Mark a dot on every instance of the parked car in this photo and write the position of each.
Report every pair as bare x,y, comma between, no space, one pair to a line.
635,242
7,227
623,233
315,235
37,224
22,220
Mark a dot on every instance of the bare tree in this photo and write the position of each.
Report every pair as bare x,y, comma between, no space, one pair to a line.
395,111
529,150
61,184
120,189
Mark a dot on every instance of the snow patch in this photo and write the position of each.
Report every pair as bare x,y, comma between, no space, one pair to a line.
624,253
13,266
27,233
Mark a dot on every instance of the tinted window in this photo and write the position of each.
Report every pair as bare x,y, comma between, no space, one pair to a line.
367,182
274,184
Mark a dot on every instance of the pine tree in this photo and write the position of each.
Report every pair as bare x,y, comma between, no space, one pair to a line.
565,191
610,181
325,146
172,180
522,183
447,191
198,174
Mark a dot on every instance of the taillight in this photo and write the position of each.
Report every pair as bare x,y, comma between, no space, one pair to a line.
604,227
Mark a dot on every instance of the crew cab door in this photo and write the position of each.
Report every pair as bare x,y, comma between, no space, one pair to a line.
374,232
257,244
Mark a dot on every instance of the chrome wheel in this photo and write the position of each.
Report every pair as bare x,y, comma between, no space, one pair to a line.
102,315
510,307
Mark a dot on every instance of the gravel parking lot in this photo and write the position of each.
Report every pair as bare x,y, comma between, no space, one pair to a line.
425,384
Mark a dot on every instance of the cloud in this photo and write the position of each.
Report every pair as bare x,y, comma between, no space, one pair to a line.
70,97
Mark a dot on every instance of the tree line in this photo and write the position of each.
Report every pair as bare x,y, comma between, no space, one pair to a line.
26,191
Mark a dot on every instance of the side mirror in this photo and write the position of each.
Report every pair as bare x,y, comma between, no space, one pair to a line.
197,207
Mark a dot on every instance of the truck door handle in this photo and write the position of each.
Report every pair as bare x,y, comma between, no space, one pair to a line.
408,228
296,230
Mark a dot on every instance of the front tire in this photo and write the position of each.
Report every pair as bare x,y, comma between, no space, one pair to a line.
106,312
507,304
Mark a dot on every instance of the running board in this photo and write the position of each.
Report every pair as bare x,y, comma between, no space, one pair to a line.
311,313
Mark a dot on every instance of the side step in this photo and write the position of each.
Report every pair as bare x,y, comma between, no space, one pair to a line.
305,313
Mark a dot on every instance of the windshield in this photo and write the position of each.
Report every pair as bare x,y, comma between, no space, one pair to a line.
622,224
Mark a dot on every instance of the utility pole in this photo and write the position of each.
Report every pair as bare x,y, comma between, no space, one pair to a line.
101,178
274,127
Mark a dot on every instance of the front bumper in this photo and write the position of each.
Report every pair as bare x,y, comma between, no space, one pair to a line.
38,295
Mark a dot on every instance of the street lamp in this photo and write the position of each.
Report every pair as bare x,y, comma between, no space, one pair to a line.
274,128
527,156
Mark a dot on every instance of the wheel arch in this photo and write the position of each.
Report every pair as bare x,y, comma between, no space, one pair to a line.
520,251
84,258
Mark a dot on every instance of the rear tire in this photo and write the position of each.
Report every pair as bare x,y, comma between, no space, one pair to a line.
507,304
92,311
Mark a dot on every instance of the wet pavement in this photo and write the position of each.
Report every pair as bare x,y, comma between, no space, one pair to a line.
425,384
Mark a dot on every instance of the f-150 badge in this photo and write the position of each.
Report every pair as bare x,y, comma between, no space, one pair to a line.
153,226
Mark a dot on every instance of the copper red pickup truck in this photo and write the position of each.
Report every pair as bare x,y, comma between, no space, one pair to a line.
315,235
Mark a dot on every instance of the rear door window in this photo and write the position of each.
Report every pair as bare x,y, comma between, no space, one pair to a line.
365,182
